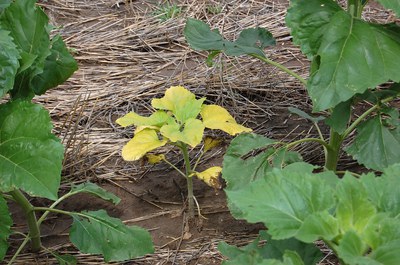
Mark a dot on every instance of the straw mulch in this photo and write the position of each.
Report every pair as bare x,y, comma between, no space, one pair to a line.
127,56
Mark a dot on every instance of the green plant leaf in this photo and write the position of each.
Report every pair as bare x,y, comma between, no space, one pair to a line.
283,199
216,117
4,4
354,56
5,227
282,157
143,142
250,41
305,115
191,134
391,4
58,67
374,96
309,21
65,259
30,155
28,26
158,119
97,233
376,146
340,117
181,102
318,225
95,190
9,64
352,249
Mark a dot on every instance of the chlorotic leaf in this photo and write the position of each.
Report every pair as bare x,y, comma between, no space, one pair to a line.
9,64
30,155
143,142
154,159
95,190
391,4
354,56
181,102
210,176
192,132
376,146
5,227
97,233
58,67
157,119
210,143
216,117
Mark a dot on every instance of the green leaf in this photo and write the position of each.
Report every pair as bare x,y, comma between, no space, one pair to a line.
30,155
97,233
5,227
191,134
340,117
250,41
95,190
28,26
374,96
282,157
352,249
304,115
391,4
309,21
58,67
9,64
318,225
4,4
65,259
376,146
354,56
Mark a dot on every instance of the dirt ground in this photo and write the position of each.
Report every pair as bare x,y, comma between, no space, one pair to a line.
127,56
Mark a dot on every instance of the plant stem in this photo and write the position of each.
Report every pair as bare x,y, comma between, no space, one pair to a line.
28,209
316,140
189,179
20,248
332,154
278,65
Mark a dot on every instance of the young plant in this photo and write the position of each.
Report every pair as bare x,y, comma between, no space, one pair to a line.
350,58
175,121
31,156
167,11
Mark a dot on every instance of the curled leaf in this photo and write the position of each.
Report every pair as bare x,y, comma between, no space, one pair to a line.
154,159
210,176
143,142
210,143
216,117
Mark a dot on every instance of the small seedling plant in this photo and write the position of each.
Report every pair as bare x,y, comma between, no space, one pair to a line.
176,122
353,62
31,156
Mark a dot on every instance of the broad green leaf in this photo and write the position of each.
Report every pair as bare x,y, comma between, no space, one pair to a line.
30,155
282,157
250,254
191,134
352,249
354,56
391,4
9,64
251,41
5,227
216,117
374,96
66,259
28,25
308,22
58,67
210,176
340,117
4,4
318,225
305,115
95,190
97,233
181,102
239,170
143,142
376,146
283,199
157,119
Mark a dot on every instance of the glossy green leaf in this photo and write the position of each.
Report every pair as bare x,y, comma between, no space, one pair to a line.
9,64
354,56
309,21
250,41
28,25
5,227
191,134
97,233
95,190
143,142
58,67
158,119
340,117
391,4
30,155
181,102
376,146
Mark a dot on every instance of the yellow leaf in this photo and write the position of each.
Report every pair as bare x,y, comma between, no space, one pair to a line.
210,176
154,159
181,102
216,117
210,143
192,132
143,142
158,118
